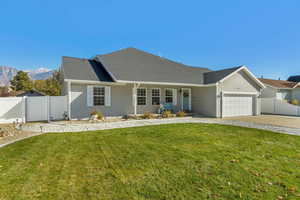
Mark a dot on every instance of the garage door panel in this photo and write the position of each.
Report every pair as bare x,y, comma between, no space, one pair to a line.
237,105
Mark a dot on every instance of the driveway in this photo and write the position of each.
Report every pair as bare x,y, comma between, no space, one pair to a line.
274,120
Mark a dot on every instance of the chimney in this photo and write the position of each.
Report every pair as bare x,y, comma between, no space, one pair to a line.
279,78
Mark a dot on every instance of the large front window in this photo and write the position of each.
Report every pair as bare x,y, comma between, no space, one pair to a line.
156,96
141,96
169,96
99,96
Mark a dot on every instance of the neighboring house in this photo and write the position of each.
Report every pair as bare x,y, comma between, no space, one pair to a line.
294,79
131,81
31,93
280,89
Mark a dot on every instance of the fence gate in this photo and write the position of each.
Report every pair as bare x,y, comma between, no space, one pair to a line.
37,109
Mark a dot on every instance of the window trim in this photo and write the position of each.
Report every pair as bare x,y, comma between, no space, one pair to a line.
169,96
141,96
99,95
159,89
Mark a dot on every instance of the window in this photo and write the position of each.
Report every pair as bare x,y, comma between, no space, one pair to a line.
141,97
169,96
99,96
156,96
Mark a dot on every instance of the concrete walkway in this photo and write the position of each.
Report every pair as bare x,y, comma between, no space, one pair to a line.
63,127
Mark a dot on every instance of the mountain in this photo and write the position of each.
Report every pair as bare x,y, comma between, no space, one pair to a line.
7,74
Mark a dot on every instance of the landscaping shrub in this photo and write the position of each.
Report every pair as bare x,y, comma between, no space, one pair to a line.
180,114
147,115
97,114
167,114
295,102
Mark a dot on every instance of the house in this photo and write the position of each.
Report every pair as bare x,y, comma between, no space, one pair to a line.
294,79
131,81
280,89
30,93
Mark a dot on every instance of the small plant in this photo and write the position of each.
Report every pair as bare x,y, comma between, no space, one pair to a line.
295,102
147,115
166,114
96,115
180,114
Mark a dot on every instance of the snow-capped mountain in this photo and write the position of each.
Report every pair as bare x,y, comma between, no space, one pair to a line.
7,74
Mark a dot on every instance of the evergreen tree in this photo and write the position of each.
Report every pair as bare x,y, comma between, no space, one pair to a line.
21,82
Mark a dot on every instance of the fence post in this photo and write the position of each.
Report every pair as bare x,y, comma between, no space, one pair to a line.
24,109
48,108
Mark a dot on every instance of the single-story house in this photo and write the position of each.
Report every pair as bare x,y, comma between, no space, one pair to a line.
131,81
294,79
30,93
280,89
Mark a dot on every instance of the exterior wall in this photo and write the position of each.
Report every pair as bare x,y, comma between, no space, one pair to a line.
64,87
204,101
121,101
239,83
154,108
281,94
296,94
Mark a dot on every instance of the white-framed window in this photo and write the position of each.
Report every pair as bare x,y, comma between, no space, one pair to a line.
169,95
141,96
155,96
99,96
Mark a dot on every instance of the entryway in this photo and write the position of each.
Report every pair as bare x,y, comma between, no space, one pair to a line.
186,99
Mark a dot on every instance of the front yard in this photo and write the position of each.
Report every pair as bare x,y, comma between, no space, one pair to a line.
178,161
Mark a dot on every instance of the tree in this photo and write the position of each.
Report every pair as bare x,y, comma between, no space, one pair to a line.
50,86
21,81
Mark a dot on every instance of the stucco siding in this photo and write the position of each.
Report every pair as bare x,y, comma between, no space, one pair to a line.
204,101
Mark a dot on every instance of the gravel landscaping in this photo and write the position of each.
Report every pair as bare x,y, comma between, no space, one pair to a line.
67,127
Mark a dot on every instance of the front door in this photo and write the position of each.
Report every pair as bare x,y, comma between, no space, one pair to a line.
186,99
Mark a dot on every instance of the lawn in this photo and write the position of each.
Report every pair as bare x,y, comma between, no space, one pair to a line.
179,161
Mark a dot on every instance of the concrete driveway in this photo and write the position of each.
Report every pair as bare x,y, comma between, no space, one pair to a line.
275,120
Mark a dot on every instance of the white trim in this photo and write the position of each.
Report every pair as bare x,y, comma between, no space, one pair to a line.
123,82
93,82
168,96
241,93
190,98
96,86
141,96
155,96
167,83
298,84
248,72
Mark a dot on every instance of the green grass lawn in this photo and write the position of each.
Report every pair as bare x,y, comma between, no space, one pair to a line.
179,161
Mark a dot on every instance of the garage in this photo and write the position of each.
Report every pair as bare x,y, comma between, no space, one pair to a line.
237,105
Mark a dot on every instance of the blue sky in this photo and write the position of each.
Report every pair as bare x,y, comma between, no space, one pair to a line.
264,35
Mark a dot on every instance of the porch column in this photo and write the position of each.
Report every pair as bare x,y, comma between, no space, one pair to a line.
134,97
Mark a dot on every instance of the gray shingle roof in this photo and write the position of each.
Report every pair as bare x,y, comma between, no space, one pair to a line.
215,76
135,65
84,69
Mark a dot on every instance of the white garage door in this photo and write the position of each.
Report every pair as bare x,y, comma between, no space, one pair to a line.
237,105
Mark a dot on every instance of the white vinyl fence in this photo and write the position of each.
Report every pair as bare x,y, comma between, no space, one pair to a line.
29,109
279,107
